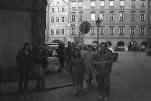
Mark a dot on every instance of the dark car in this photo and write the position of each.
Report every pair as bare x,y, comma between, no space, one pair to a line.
148,51
133,46
120,46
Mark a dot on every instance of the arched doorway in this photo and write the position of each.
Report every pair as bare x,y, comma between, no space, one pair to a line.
133,46
143,45
120,46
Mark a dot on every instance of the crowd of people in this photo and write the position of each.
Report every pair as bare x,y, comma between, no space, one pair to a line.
87,66
31,60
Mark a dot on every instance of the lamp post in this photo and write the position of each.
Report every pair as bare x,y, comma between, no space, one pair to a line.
98,21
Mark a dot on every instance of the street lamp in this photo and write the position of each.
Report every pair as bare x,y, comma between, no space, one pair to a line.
98,21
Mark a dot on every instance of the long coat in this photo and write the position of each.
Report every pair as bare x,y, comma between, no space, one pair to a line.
25,61
89,68
77,70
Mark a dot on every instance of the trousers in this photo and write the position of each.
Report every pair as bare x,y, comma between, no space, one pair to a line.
103,83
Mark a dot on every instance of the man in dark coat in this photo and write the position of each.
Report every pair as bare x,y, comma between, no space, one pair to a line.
103,64
40,55
24,61
60,52
68,55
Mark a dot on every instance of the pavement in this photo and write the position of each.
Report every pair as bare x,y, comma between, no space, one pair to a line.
130,81
52,81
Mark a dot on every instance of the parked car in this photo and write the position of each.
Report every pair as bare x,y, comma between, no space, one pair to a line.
53,64
143,46
52,48
53,61
133,46
120,46
148,51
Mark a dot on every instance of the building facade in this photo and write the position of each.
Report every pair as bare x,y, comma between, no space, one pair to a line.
121,20
57,26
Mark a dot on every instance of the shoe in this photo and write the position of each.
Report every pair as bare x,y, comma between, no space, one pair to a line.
100,98
20,90
76,93
106,98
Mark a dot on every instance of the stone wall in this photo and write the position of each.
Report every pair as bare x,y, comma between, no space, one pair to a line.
15,29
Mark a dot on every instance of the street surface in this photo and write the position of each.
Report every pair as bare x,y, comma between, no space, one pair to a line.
130,81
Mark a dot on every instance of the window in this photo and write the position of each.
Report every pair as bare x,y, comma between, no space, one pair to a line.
73,8
52,19
121,16
52,32
63,10
101,16
102,30
111,3
142,17
92,4
53,10
122,3
58,9
62,31
62,19
111,30
133,17
132,29
80,18
133,3
73,18
72,29
92,30
121,30
57,19
92,16
142,3
73,4
142,29
80,4
57,32
112,17
102,3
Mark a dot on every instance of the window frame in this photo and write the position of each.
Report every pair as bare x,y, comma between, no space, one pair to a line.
121,16
52,32
121,30
111,3
93,16
132,29
142,17
142,29
102,3
73,18
122,3
63,9
57,31
57,19
63,31
52,19
133,3
111,30
63,19
93,4
53,9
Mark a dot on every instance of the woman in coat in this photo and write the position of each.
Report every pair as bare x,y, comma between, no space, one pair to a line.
77,71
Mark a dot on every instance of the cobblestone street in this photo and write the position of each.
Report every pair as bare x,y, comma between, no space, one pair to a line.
130,81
